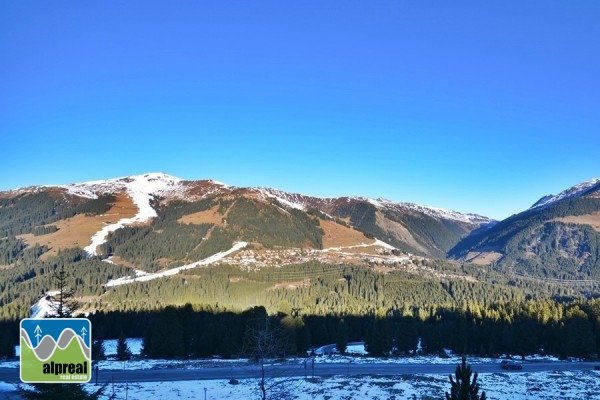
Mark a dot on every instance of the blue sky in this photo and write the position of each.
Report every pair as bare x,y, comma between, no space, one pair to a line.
478,107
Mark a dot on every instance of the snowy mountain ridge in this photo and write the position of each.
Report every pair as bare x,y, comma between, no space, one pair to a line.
147,184
574,191
302,202
142,187
433,212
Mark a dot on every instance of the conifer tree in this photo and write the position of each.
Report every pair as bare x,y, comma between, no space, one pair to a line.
98,350
462,388
123,352
62,303
341,342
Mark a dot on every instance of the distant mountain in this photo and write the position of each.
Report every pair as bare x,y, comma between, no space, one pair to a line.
122,216
579,190
558,237
125,240
155,221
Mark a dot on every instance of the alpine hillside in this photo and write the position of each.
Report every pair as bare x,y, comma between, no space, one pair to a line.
558,237
154,236
110,216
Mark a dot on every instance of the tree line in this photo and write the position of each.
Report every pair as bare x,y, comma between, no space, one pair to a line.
522,329
562,329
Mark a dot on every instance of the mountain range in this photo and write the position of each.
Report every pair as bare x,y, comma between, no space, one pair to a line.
153,222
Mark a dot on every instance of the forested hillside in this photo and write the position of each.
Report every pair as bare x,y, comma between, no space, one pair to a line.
316,304
167,242
321,269
556,241
29,212
519,328
403,227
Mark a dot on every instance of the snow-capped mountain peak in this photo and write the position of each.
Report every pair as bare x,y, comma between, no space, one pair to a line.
152,183
434,212
575,191
141,189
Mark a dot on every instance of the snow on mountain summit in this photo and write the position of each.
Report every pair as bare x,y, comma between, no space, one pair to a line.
296,201
152,183
575,191
141,188
432,211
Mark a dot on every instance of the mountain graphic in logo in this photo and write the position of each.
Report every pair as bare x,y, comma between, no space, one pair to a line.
56,350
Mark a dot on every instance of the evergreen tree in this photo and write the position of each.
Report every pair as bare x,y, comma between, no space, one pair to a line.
123,352
580,340
462,388
165,340
204,342
406,336
63,304
98,351
379,341
341,342
7,348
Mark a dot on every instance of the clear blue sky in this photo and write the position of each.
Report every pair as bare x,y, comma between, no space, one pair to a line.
475,106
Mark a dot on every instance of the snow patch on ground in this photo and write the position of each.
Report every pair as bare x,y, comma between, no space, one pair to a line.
282,197
45,306
570,385
134,344
383,244
514,386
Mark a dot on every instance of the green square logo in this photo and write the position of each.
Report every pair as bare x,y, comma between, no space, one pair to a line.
56,350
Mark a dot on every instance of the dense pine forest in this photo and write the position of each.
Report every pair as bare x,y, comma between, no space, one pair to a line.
429,304
210,311
28,212
167,242
539,243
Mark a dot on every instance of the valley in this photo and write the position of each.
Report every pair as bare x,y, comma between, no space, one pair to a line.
153,245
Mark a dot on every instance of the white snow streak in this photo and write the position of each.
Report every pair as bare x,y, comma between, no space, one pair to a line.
173,271
279,196
141,189
384,244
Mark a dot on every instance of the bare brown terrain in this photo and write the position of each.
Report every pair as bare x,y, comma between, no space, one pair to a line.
337,235
78,230
211,216
292,285
483,258
592,220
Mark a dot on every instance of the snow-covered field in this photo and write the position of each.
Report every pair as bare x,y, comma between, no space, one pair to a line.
498,385
514,386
